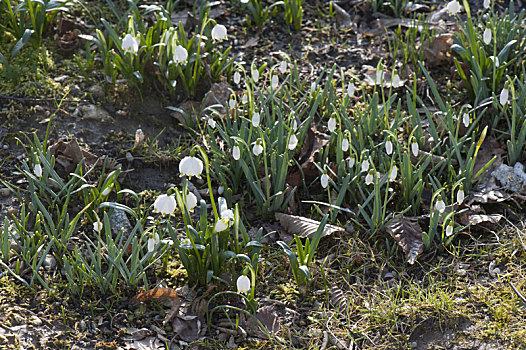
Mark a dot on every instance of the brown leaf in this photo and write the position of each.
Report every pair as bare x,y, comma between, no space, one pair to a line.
490,148
157,294
268,317
438,50
408,234
304,227
69,154
312,145
338,299
187,327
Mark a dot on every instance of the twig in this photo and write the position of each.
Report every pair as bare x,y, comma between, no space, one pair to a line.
521,297
22,99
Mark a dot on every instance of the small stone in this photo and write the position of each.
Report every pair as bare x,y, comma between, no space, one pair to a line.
5,192
97,92
49,262
61,79
34,320
82,325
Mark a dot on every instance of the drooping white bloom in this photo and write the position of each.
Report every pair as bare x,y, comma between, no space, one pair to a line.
244,1
487,36
220,190
313,86
495,61
221,225
232,103
236,152
293,142
243,284
351,89
449,229
219,32
97,226
487,3
345,144
388,147
440,205
365,166
369,178
152,242
237,78
180,55
380,77
244,99
106,191
274,82
211,122
191,201
504,95
255,75
351,163
460,196
295,125
37,169
257,149
393,173
324,179
331,125
256,119
130,44
453,7
465,119
283,67
191,166
414,148
165,204
396,82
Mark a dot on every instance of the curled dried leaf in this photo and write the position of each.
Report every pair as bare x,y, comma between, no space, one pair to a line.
157,294
408,234
304,227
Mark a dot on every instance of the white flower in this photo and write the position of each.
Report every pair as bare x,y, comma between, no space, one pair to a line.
331,125
274,82
37,170
244,99
414,148
350,89
221,225
211,122
164,204
313,86
380,77
227,214
191,166
293,142
465,119
487,3
180,55
324,179
237,78
255,120
244,1
503,99
232,103
495,61
352,160
453,7
369,178
487,36
365,165
460,196
186,241
219,32
152,242
440,205
396,82
393,173
255,75
388,147
130,44
449,229
191,201
243,284
220,190
283,67
97,226
345,144
236,152
257,149
295,125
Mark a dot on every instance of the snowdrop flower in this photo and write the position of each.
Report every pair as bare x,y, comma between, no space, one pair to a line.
393,173
352,160
220,190
236,152
465,119
37,169
165,204
232,103
369,178
331,125
388,147
350,89
221,225
256,119
237,78
283,67
152,242
274,82
395,81
186,241
243,284
324,179
460,195
191,201
365,166
504,95
449,229
495,61
258,148
293,142
180,55
255,75
453,7
97,226
313,86
219,32
380,77
191,166
244,1
414,148
130,44
244,99
487,36
486,3
345,144
440,205
295,125
211,122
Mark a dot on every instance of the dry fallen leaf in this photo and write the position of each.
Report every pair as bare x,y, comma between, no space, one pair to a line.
312,145
304,227
268,317
187,327
408,234
438,50
69,154
157,294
